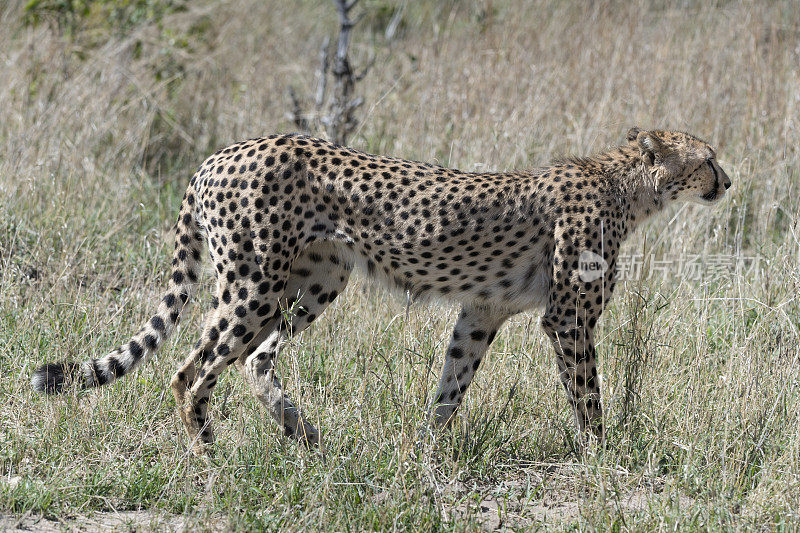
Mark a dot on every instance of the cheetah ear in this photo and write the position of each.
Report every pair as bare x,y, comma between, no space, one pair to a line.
652,149
632,134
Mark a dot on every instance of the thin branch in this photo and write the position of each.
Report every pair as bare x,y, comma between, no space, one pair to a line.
394,23
348,5
297,111
361,75
334,103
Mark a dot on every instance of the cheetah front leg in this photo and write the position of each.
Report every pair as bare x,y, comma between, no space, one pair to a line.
473,333
575,302
577,371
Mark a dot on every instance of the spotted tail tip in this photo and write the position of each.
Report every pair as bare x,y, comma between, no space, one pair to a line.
54,378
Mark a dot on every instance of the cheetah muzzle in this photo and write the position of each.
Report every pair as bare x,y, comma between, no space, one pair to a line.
287,218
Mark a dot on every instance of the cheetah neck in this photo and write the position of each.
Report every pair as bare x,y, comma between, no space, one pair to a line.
633,183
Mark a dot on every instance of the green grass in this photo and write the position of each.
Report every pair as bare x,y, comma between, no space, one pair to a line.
701,377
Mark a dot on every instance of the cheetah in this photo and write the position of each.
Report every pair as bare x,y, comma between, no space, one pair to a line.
287,218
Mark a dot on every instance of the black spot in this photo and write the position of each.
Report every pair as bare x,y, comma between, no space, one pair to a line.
136,349
477,335
151,342
99,377
456,352
115,367
158,323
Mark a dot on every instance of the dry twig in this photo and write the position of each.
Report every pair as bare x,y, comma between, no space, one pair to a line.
334,113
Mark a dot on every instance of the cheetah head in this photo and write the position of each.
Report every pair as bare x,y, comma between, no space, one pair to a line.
683,166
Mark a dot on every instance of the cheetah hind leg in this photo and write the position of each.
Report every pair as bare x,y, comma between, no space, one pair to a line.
226,334
474,331
244,305
317,277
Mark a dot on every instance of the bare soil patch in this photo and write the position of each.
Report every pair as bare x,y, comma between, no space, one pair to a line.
139,521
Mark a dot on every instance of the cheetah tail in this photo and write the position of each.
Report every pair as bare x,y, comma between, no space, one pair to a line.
54,378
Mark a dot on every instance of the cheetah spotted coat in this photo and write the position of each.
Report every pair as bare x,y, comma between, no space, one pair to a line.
287,218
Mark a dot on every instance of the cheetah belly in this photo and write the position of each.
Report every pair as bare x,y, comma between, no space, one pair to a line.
532,288
518,287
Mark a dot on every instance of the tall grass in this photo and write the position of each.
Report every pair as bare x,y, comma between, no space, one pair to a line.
101,131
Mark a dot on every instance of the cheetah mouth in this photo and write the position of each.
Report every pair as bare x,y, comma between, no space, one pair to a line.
711,196
714,194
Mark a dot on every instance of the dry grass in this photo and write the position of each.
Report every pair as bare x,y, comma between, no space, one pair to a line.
100,133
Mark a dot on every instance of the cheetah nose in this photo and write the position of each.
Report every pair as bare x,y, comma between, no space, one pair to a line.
727,184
